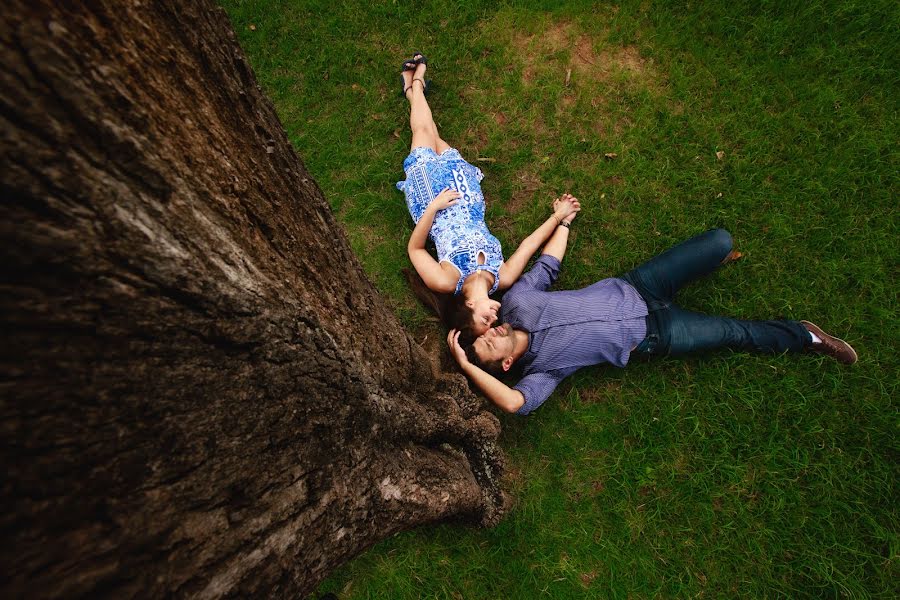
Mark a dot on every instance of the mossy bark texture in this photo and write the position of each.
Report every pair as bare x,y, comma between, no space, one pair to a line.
203,395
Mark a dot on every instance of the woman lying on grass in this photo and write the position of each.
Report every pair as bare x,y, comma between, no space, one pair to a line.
445,200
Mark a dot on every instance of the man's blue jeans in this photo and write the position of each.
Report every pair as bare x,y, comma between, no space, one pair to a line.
671,330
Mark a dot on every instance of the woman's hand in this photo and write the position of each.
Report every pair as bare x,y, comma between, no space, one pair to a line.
445,199
566,207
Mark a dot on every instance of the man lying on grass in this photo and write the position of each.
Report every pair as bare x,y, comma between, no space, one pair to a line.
550,335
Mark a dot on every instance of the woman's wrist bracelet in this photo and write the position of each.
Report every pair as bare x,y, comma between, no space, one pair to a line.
558,220
563,224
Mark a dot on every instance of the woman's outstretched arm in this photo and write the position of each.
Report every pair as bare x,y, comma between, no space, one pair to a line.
564,209
435,277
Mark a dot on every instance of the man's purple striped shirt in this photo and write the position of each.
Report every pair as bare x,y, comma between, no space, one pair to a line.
570,329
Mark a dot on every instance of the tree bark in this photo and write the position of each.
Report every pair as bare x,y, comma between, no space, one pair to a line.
203,395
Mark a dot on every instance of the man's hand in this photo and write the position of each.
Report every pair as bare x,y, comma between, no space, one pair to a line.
566,207
455,349
498,392
445,199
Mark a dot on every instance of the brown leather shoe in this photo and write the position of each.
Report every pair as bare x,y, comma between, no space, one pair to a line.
831,346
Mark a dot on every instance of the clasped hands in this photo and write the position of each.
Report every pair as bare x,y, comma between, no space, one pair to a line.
566,207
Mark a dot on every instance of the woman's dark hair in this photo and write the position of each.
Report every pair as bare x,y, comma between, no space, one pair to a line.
450,309
458,314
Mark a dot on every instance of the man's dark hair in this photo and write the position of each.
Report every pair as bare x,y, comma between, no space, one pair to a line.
494,367
467,336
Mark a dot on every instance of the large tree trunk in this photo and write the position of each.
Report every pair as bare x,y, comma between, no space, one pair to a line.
202,392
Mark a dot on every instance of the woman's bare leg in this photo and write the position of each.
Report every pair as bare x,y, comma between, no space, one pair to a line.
441,145
421,122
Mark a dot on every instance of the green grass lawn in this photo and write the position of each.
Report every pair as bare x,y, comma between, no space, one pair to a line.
718,476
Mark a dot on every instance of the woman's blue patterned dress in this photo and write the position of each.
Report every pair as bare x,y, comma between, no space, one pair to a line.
459,232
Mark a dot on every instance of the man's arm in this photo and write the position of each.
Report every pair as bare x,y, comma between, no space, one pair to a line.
498,392
564,209
540,276
556,247
559,241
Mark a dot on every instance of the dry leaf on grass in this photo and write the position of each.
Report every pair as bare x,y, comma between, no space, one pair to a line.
610,156
720,154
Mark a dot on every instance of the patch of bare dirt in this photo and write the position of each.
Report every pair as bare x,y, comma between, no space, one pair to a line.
528,74
468,92
501,226
371,236
599,393
590,64
592,76
598,101
588,578
589,396
583,57
538,125
607,126
558,36
512,476
527,184
474,139
630,59
591,69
